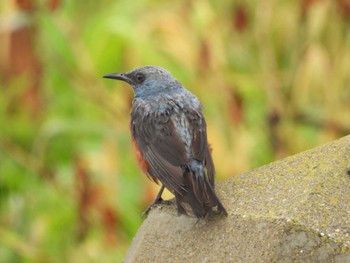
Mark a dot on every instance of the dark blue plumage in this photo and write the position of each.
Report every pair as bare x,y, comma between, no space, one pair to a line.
169,133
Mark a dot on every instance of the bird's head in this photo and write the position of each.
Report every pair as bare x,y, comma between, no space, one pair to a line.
148,80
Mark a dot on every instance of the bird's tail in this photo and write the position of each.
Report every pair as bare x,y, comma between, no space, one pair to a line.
200,194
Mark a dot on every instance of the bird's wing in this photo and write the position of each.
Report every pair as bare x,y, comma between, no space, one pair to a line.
200,148
161,147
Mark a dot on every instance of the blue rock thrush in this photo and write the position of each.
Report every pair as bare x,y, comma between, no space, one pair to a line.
170,137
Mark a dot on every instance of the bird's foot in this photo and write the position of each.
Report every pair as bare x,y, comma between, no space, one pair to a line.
155,202
180,209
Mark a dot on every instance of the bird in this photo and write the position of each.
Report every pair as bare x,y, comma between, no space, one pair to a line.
169,134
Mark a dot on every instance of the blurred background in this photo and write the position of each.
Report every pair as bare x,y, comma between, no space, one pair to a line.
273,77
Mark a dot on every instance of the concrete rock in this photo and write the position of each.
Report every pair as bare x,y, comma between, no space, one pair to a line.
293,210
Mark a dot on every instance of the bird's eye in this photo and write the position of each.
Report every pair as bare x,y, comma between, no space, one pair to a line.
140,77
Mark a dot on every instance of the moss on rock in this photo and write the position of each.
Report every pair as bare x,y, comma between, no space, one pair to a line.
295,209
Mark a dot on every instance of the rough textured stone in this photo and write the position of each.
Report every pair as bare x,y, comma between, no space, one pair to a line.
293,210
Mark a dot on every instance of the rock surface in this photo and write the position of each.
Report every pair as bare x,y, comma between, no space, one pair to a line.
293,210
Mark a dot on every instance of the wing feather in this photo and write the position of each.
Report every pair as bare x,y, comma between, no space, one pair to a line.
162,148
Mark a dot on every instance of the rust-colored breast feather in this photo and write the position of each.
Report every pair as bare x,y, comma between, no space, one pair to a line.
142,162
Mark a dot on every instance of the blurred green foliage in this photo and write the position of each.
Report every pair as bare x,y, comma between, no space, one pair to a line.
273,77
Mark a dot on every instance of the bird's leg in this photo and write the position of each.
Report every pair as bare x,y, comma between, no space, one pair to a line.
156,200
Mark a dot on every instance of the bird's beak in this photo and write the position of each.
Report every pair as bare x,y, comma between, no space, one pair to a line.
119,76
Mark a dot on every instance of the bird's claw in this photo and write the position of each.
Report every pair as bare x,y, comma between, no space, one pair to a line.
154,203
